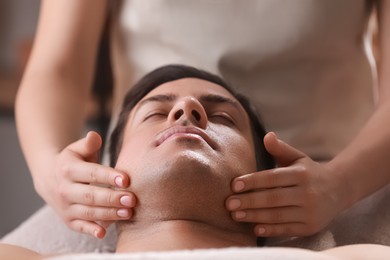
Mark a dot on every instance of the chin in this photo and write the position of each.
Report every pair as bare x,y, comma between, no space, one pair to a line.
187,184
192,160
183,160
180,170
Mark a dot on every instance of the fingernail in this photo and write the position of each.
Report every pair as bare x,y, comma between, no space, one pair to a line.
239,185
96,233
125,201
234,204
119,181
240,214
260,230
123,213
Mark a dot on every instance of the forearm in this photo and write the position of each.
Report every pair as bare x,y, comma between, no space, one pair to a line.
50,114
363,167
51,101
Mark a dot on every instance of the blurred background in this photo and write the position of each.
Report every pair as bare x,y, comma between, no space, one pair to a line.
18,200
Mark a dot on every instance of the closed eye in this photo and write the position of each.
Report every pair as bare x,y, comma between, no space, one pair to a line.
223,117
155,115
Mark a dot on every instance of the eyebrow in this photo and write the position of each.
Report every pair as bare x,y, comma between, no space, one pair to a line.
166,98
212,98
209,98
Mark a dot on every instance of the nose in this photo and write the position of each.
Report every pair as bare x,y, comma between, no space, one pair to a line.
189,111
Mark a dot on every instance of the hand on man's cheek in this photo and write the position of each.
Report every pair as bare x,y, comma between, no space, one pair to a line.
292,200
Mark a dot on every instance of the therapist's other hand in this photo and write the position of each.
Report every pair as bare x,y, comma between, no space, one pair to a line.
89,208
299,198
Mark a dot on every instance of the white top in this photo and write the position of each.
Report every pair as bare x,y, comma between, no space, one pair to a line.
303,63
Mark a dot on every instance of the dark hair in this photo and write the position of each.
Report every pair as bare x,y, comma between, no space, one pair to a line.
174,72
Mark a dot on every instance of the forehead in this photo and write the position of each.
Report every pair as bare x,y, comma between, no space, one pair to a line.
190,87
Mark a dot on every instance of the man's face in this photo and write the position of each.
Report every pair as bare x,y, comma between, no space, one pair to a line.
183,144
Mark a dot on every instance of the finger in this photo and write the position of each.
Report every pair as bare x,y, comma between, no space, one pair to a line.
270,198
105,224
269,216
283,153
87,147
281,230
89,213
99,196
88,227
272,178
95,173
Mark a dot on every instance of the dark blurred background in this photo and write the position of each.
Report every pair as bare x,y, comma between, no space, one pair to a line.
18,200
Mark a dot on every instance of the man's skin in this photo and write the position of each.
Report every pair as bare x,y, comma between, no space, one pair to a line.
181,150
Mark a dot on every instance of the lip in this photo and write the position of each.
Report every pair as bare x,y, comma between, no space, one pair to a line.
175,130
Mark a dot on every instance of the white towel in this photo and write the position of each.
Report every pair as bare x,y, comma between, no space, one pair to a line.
208,254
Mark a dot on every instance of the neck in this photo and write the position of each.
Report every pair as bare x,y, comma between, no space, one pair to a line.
180,235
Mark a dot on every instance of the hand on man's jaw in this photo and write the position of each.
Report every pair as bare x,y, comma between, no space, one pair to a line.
182,181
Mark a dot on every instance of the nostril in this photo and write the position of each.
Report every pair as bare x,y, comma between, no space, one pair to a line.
196,115
178,114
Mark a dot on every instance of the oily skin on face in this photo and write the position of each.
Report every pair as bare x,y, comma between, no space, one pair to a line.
178,175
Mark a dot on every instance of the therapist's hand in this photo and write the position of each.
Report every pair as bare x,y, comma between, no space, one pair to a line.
299,198
88,208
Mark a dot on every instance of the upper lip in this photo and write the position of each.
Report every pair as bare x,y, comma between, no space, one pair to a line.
161,137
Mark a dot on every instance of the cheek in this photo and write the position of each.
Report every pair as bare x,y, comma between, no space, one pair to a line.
238,151
132,151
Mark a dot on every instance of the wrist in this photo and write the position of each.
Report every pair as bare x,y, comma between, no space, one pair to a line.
43,174
40,184
346,192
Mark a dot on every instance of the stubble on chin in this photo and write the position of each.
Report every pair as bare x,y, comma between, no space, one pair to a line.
188,185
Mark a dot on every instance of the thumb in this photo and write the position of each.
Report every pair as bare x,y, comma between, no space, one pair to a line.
88,147
283,153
